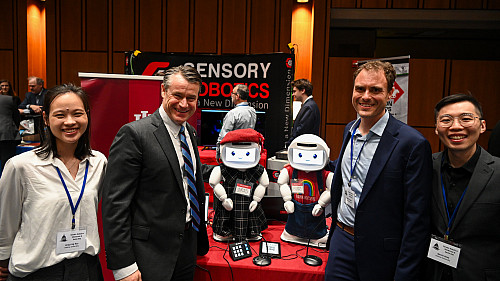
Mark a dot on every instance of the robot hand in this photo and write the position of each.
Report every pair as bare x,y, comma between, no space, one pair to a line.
253,206
227,204
317,210
289,207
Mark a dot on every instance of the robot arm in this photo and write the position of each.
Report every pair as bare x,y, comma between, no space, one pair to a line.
285,191
324,198
260,191
219,191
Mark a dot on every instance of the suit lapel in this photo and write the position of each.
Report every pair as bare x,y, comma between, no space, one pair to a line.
480,177
387,143
163,138
437,192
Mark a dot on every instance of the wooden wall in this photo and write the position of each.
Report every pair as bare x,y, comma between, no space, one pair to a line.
430,79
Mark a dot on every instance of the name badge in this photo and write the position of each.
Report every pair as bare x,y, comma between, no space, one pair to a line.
68,241
349,196
444,251
297,186
243,188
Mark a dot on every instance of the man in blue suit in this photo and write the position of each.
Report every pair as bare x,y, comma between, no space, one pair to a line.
33,102
381,188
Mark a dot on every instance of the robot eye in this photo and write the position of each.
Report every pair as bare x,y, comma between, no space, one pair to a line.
232,153
315,156
248,153
300,154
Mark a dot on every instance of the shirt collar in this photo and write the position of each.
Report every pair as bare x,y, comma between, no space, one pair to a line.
469,166
378,128
173,127
309,97
243,103
51,160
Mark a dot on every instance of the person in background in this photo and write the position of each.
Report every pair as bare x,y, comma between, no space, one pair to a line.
6,89
465,207
49,198
33,103
242,116
9,123
381,189
154,199
308,119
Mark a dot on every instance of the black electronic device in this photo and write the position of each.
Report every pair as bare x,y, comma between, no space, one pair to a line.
313,260
240,250
271,249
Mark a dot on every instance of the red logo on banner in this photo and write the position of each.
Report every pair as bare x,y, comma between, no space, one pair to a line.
289,62
152,67
398,92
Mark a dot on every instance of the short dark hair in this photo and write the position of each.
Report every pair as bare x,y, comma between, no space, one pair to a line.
188,72
48,140
376,65
242,91
456,98
303,84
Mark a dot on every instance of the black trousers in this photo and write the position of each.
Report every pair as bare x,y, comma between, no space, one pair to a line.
83,268
186,262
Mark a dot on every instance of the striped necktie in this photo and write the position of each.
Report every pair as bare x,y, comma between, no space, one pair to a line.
189,173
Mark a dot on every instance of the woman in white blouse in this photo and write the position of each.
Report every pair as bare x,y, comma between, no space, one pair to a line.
49,198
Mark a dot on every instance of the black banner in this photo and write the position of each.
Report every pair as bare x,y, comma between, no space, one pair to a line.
268,77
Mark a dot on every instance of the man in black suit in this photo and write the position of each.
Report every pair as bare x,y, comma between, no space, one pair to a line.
33,101
153,198
465,196
308,119
9,129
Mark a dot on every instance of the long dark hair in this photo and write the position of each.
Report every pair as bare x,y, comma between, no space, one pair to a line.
11,92
48,140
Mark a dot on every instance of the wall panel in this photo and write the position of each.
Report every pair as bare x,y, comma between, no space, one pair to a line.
123,25
437,4
333,137
426,88
480,78
262,26
7,25
234,18
339,106
97,25
118,63
205,26
150,25
343,3
468,4
74,62
178,30
71,24
285,29
430,135
404,4
7,66
368,4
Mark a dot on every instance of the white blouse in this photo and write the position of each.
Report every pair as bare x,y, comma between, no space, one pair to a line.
34,207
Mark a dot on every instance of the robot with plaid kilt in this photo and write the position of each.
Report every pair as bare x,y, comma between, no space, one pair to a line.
239,183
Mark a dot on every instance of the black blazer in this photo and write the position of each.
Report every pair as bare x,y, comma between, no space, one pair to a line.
31,99
143,205
9,119
307,121
477,223
392,217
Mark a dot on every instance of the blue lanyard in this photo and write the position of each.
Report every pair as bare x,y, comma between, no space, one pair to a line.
74,207
359,154
450,219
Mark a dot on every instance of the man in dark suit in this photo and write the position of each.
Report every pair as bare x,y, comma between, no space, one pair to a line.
465,196
308,119
9,129
381,189
153,198
33,102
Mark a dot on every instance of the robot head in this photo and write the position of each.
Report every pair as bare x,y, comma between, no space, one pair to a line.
308,153
240,149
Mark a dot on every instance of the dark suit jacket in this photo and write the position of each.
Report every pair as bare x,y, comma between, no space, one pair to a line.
9,119
307,121
31,99
392,218
477,223
143,205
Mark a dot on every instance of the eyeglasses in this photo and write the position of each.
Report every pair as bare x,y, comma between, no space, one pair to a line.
465,120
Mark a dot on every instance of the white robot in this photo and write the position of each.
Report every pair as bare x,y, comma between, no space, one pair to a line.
305,188
239,183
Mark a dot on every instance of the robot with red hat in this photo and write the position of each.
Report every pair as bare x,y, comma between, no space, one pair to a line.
305,188
239,184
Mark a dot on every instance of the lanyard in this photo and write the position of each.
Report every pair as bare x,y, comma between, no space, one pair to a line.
450,219
359,154
74,207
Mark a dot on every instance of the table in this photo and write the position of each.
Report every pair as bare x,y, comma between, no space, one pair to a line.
243,270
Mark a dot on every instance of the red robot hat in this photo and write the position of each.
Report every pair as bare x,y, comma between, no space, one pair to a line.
243,135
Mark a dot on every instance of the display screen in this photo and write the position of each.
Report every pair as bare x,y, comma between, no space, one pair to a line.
211,124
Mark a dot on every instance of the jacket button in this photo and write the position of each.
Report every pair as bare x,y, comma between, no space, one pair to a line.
181,236
183,211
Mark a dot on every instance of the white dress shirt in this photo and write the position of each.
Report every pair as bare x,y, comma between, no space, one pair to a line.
34,207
